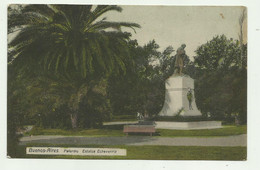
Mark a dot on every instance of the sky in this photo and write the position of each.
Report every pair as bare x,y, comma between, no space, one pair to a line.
176,25
173,25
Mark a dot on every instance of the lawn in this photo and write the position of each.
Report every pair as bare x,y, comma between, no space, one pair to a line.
225,131
117,131
83,132
152,152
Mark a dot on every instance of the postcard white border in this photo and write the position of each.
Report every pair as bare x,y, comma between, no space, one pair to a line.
253,98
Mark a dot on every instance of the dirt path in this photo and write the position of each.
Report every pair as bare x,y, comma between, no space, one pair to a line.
238,140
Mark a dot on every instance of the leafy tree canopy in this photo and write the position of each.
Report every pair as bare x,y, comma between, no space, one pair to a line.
63,51
218,53
221,78
62,38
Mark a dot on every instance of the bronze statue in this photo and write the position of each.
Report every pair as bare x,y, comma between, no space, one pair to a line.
190,98
180,54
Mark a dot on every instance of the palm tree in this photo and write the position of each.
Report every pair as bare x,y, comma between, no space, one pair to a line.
69,40
50,92
70,37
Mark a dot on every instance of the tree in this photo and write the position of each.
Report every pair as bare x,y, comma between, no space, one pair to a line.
218,53
241,35
16,109
51,99
69,37
69,41
220,87
142,88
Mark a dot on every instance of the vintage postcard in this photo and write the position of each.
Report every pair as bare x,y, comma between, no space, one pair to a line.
127,82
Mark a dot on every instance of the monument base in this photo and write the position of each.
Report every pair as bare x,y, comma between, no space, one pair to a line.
188,125
179,97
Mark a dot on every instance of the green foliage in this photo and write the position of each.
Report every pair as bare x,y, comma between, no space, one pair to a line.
95,107
56,99
179,118
141,88
62,38
12,137
221,83
123,118
218,53
16,109
78,132
225,131
62,52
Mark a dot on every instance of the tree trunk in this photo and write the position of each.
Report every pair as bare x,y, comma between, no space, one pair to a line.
74,120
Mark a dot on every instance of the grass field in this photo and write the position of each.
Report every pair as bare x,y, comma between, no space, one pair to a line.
152,152
225,131
117,131
148,152
86,132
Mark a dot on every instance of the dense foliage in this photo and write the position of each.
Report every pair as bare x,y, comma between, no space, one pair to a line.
58,63
142,88
221,86
63,50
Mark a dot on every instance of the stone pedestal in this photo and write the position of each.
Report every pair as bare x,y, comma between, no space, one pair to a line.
188,125
176,100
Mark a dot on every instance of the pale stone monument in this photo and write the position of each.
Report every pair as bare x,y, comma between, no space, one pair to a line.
179,97
179,94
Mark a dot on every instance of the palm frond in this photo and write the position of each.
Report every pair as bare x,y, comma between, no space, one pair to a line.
68,39
101,25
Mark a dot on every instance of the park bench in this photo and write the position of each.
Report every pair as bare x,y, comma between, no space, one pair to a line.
139,129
